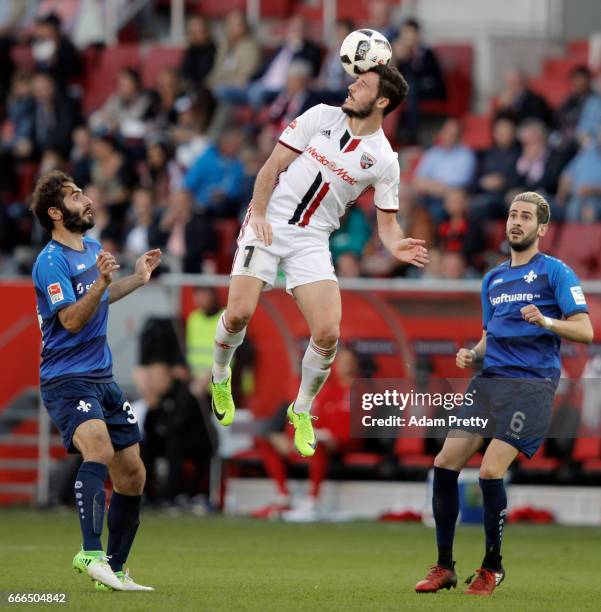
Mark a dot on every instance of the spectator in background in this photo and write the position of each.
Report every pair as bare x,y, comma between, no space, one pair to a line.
81,156
589,121
7,63
295,99
19,116
143,230
332,430
102,221
190,236
215,179
568,114
379,18
460,232
497,170
177,428
54,53
419,65
128,104
238,56
169,91
162,174
115,177
189,135
296,46
200,53
580,184
333,80
539,165
55,116
447,164
200,336
353,234
348,265
523,103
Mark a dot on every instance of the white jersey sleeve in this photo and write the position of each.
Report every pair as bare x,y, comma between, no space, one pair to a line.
298,134
386,196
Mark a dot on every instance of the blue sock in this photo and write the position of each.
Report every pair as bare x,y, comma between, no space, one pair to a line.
495,508
445,504
90,499
123,522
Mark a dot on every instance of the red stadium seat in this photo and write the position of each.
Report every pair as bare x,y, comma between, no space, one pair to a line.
227,231
547,243
456,61
411,453
476,131
156,59
587,452
100,81
579,246
560,67
540,463
553,89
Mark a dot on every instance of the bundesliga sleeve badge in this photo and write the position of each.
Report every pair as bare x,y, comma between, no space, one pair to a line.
56,293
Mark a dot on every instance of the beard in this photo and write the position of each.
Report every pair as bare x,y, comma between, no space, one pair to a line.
360,113
76,222
525,243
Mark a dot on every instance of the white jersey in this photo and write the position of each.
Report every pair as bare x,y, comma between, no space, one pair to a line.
333,169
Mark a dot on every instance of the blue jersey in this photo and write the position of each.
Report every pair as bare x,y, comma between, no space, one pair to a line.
62,276
515,348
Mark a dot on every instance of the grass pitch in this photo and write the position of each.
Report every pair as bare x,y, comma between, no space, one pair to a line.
233,564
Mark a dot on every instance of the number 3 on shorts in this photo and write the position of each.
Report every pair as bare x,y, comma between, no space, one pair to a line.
249,250
131,417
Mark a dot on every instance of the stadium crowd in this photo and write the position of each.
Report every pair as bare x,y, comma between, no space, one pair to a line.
166,166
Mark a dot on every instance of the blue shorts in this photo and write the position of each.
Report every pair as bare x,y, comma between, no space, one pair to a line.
75,401
518,410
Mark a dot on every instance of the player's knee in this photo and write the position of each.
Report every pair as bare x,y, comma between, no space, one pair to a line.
491,472
326,336
99,451
131,481
444,460
238,315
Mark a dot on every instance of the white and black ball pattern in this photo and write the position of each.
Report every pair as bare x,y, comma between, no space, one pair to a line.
363,49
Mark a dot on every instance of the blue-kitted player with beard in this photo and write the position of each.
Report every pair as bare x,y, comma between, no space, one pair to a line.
529,303
74,286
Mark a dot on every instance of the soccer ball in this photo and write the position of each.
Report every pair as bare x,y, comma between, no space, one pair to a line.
364,49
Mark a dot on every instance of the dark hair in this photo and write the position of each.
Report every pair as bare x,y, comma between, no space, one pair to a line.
51,19
581,70
349,24
134,75
412,23
392,86
48,193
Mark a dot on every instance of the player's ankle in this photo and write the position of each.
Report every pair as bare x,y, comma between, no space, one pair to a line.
220,374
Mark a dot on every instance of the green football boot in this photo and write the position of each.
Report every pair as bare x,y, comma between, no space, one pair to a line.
304,436
94,563
222,400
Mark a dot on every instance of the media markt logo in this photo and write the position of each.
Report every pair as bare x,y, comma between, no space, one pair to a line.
530,276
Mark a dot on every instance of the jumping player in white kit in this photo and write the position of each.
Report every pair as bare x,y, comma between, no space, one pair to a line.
324,160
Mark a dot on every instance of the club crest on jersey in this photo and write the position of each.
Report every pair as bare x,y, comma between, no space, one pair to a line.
531,276
367,161
55,292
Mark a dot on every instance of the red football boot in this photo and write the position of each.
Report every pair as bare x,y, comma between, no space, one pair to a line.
484,581
439,577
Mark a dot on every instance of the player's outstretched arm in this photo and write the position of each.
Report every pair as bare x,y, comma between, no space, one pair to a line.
279,160
577,327
75,316
409,250
145,265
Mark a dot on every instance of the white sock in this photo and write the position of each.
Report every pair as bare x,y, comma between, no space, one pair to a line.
226,343
317,363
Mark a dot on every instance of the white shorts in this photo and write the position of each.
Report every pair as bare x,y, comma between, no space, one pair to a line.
302,252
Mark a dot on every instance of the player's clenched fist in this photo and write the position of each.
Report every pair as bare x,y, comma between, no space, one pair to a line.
261,228
533,315
464,358
106,264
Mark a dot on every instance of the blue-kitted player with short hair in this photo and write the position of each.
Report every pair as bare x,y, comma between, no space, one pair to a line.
529,303
74,286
